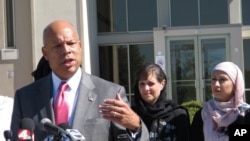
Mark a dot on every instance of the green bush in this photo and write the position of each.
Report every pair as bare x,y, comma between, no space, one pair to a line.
192,107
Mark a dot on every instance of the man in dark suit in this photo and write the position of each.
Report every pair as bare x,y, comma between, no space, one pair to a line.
97,108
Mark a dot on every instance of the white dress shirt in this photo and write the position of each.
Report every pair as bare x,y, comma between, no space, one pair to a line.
72,90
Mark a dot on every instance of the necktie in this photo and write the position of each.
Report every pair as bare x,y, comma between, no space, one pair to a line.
61,105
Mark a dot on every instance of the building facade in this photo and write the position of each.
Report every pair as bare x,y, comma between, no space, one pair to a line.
187,38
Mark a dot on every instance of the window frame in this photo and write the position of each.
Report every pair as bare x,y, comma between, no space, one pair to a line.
9,24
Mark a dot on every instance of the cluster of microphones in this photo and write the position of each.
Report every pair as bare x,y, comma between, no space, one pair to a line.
62,132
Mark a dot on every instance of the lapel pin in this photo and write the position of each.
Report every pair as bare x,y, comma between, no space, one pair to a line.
91,97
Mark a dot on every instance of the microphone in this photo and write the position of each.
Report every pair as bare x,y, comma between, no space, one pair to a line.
26,133
7,135
64,126
52,129
59,137
59,132
74,134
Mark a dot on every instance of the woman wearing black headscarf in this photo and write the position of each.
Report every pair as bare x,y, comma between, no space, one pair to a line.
165,120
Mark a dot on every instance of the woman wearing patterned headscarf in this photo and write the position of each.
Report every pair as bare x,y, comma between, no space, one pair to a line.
225,109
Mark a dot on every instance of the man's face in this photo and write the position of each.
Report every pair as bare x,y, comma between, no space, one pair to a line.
62,49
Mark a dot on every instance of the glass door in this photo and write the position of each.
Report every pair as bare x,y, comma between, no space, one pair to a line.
212,51
182,69
189,66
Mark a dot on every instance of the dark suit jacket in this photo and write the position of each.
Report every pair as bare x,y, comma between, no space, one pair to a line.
35,101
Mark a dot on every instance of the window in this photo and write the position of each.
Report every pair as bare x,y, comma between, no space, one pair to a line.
245,12
10,23
184,13
198,12
213,12
142,15
246,48
126,15
118,63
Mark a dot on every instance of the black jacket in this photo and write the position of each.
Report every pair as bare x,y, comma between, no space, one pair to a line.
197,127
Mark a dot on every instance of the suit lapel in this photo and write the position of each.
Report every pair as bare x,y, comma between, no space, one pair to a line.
85,101
44,96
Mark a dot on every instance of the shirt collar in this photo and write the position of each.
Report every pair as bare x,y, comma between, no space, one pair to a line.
73,82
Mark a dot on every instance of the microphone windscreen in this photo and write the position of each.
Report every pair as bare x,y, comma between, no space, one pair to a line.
45,121
48,126
7,134
28,123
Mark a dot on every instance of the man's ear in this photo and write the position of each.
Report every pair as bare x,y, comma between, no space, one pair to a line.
44,51
81,45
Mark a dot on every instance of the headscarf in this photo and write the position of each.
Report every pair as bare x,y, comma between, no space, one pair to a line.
162,107
219,115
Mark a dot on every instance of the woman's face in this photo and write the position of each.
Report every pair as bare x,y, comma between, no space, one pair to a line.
150,88
222,86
